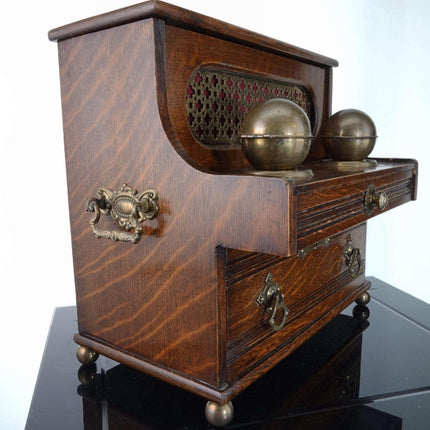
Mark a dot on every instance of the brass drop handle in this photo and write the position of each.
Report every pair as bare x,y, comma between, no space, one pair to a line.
373,200
273,300
126,206
352,258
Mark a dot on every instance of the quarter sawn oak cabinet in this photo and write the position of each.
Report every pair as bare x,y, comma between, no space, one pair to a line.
189,265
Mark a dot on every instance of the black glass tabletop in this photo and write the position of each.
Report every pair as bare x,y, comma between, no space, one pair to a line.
353,374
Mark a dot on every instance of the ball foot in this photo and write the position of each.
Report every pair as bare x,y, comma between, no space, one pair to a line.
219,415
363,299
86,355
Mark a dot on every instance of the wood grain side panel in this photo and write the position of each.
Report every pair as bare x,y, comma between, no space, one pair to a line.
133,296
158,299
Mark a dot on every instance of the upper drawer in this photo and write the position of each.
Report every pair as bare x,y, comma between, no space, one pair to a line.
333,200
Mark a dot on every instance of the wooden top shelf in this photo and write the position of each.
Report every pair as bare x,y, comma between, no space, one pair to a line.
180,17
326,172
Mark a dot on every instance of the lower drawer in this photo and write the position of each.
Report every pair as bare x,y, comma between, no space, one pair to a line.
316,284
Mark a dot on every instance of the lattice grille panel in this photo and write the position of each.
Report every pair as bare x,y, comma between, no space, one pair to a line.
217,101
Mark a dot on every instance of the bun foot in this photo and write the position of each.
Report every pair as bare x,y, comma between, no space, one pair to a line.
86,355
219,415
363,299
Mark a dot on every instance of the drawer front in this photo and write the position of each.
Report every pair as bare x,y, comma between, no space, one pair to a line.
326,209
313,285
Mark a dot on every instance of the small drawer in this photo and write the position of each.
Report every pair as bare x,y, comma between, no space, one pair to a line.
326,207
313,283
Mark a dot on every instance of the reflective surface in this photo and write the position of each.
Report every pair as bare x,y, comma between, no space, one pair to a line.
351,375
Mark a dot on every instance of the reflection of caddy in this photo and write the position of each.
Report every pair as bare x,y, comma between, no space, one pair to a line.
180,302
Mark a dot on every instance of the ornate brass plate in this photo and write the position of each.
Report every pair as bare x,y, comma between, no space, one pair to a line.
126,206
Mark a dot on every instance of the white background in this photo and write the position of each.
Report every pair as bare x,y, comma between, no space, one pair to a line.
382,47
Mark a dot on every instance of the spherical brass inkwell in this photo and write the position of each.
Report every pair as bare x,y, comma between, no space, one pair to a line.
349,137
276,138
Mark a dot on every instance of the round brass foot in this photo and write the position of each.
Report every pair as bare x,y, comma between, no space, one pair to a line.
219,415
86,355
363,299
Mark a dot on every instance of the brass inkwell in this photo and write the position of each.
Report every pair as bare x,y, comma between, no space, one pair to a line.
349,137
276,138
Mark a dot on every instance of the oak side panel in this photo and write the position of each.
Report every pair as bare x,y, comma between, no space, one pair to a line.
157,299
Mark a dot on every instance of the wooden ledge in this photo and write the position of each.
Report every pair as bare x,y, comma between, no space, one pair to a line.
180,17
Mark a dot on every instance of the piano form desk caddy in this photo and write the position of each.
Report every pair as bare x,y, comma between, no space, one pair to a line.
206,272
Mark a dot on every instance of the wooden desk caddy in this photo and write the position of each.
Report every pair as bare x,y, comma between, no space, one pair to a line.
209,274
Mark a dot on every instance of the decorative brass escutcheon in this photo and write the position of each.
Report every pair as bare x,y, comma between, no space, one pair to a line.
305,251
273,300
352,258
373,200
126,206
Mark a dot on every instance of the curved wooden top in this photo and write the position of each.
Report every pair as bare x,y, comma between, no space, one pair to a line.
177,16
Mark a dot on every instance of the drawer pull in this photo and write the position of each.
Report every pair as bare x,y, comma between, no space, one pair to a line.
374,200
353,258
273,300
127,207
